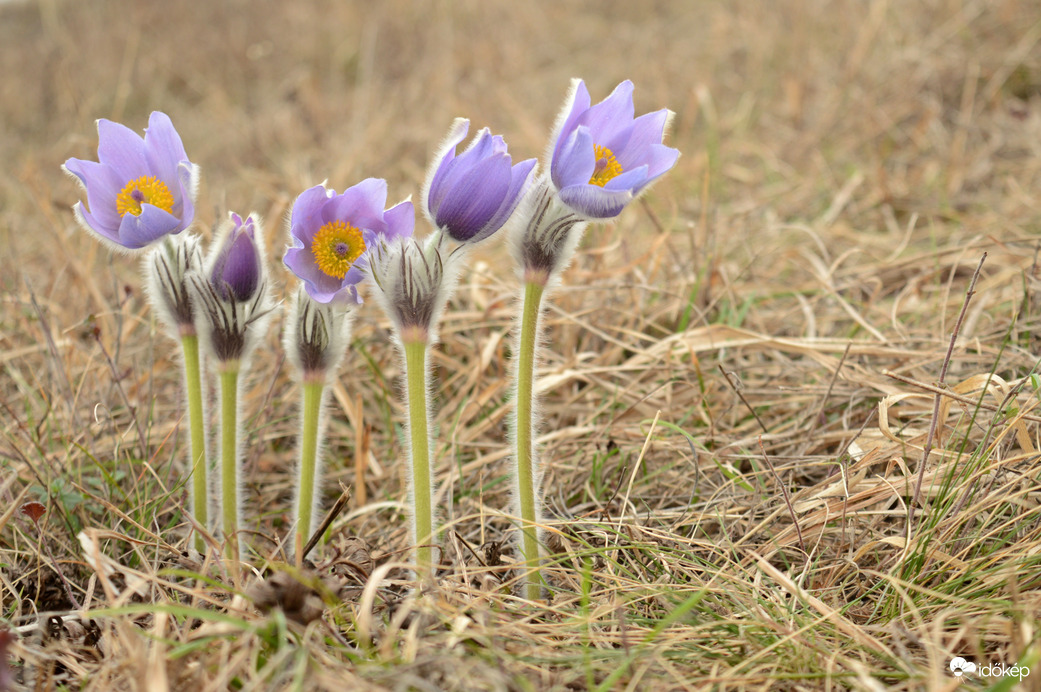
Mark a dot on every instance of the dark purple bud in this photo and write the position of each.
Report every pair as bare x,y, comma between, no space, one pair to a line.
236,273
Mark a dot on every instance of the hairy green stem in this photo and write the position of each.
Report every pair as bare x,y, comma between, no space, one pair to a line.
229,472
311,413
193,382
419,437
524,437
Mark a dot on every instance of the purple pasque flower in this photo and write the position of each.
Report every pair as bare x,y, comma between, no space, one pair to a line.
332,235
140,188
470,196
601,157
237,268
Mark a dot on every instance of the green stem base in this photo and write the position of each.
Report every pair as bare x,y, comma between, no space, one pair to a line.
419,438
527,472
313,388
197,432
229,472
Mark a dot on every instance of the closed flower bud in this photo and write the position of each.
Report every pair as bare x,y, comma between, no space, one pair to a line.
471,196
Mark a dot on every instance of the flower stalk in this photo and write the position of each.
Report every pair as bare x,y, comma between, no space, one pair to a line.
196,431
316,339
419,441
229,458
600,158
527,472
234,310
166,268
330,236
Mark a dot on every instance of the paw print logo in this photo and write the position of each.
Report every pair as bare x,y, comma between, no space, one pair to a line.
960,666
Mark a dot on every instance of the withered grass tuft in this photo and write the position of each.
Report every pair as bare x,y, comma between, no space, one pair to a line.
776,312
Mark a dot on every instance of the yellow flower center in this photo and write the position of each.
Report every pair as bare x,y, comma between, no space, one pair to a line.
607,166
336,246
145,190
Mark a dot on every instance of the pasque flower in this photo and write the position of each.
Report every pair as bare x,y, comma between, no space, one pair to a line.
470,196
601,157
140,188
234,309
332,233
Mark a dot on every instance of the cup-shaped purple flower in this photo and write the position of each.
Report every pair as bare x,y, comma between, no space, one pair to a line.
471,196
332,234
140,188
601,157
236,270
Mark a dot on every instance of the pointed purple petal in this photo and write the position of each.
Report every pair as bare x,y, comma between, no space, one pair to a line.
433,187
90,224
360,206
163,148
474,198
594,201
612,114
305,217
576,161
185,206
576,103
121,148
102,185
647,131
135,232
520,174
240,269
632,180
401,221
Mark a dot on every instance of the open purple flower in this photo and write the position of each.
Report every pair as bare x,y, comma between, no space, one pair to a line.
237,269
471,196
601,157
333,233
140,189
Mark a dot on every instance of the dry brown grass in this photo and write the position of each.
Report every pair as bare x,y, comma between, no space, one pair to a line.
846,164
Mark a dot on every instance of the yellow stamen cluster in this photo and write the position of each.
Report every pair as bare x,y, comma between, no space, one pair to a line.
607,166
144,190
336,246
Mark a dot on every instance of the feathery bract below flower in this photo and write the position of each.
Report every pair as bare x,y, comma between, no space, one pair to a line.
601,157
140,188
331,236
471,196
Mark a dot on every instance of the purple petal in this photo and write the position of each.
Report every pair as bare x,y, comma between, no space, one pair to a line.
474,198
239,269
305,217
360,206
102,185
612,114
152,224
576,161
576,103
661,159
647,131
123,149
89,223
401,220
163,149
631,180
520,174
432,192
595,202
185,206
